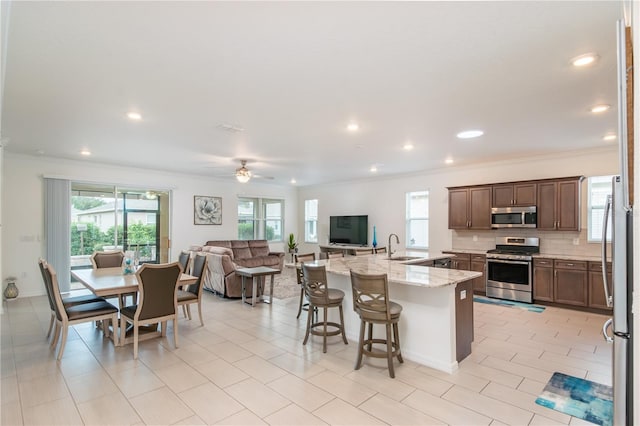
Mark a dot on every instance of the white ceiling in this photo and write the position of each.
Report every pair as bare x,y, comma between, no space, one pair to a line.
294,74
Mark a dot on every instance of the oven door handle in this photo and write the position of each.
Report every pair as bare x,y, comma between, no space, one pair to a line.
511,262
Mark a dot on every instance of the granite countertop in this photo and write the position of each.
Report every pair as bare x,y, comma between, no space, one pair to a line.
569,257
465,251
398,271
582,257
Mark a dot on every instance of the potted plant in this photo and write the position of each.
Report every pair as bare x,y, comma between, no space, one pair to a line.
293,246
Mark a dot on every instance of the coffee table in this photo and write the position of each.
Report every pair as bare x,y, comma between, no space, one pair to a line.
256,274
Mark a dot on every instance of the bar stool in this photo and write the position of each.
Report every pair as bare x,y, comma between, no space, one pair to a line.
299,258
371,302
320,296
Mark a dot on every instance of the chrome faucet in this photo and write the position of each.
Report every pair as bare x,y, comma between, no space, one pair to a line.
397,241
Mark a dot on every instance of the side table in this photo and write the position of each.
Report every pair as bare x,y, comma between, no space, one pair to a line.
256,274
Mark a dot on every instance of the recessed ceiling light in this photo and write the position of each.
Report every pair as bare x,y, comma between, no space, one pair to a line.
134,116
468,134
600,108
293,181
407,146
373,169
609,137
583,60
449,161
39,152
85,152
353,127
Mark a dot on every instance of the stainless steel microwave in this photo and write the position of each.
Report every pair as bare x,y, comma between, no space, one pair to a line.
514,217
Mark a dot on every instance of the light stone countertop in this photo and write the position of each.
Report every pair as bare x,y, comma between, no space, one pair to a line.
538,255
398,272
568,257
466,251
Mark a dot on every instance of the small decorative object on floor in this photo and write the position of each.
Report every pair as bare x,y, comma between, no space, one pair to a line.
374,243
510,304
11,290
579,398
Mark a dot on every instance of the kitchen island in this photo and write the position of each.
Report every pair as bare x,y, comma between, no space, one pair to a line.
436,326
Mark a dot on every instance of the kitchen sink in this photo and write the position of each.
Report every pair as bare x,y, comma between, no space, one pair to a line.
401,258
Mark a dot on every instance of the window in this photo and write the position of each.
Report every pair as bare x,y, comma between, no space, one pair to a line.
598,187
260,218
310,221
418,219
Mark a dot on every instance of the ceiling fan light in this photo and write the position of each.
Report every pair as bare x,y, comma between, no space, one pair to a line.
243,176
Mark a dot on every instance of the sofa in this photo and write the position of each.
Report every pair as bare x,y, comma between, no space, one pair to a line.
224,257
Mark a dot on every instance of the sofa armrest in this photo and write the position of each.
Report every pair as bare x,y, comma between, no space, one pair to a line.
276,253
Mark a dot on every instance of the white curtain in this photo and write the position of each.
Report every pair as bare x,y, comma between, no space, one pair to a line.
57,228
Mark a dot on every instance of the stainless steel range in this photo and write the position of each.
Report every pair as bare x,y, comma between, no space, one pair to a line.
510,268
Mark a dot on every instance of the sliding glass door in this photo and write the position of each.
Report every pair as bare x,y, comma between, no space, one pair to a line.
106,217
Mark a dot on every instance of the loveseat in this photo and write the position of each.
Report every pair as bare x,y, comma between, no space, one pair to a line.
225,256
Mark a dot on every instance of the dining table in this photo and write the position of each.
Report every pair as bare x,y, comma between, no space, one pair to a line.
112,282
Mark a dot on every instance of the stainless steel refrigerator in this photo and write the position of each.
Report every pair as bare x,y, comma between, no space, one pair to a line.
619,329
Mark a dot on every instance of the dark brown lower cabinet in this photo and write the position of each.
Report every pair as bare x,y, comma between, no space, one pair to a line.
570,282
464,319
596,288
478,264
543,280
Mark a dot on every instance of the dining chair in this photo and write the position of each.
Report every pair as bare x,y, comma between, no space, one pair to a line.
157,301
371,302
111,259
193,292
320,296
86,312
335,254
66,301
363,251
184,260
299,258
107,259
380,250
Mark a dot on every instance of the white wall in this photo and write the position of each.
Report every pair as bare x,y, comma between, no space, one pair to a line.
23,219
383,199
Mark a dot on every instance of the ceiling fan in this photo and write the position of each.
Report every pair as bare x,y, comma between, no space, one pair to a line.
243,174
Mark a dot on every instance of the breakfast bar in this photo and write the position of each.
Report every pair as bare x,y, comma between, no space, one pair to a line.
436,327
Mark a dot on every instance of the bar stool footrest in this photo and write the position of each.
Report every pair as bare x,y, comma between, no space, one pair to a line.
335,325
380,354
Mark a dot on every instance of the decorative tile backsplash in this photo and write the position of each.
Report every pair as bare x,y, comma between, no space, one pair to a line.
551,242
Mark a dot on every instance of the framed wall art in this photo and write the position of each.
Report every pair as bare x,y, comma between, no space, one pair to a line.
207,210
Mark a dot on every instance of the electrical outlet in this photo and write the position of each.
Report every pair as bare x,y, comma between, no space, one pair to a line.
475,238
576,241
463,294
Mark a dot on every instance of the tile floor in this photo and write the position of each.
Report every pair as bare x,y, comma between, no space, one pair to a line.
248,366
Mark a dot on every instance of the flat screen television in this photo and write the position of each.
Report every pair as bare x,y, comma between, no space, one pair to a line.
348,230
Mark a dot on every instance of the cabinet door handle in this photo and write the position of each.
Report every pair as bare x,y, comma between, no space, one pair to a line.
569,264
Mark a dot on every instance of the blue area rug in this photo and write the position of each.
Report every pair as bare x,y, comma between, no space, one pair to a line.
509,303
580,398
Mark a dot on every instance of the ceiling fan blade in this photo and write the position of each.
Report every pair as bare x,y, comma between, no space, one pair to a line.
263,177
